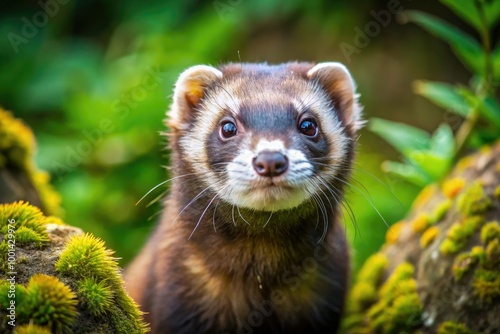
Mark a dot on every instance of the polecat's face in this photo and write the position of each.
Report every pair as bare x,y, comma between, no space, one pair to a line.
266,137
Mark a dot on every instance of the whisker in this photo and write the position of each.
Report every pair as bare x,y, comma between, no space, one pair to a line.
204,211
239,213
269,219
381,182
191,202
162,183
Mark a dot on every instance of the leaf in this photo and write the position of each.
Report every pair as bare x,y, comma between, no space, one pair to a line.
495,58
443,142
465,47
404,138
488,107
407,172
443,95
467,10
492,12
430,163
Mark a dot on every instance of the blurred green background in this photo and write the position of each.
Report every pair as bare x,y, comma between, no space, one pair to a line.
94,78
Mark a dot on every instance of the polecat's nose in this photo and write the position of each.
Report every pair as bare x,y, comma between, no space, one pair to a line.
270,164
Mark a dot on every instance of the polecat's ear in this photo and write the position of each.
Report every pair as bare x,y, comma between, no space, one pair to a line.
189,89
338,82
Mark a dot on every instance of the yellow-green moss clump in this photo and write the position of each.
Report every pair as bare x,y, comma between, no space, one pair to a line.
17,150
393,307
474,200
450,327
420,223
393,233
31,329
429,236
67,282
459,233
451,188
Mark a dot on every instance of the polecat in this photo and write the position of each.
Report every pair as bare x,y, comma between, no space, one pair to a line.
250,240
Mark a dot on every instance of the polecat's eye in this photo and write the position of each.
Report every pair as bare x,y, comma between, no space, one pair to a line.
308,127
228,130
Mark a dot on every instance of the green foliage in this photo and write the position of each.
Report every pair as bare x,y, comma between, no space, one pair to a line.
427,159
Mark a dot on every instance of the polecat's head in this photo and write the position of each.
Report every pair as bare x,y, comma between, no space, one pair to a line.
266,137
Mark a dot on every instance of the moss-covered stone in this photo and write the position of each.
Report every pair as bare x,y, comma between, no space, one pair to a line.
443,262
17,150
67,282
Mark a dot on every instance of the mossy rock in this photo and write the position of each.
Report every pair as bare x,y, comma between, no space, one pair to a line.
19,178
439,271
59,279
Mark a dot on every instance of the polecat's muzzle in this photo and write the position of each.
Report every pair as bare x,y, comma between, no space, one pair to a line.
269,164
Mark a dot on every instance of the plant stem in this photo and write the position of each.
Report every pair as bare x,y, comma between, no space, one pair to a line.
467,127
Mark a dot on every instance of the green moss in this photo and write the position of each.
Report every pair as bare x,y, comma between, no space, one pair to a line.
17,142
398,308
25,221
490,231
440,211
462,264
393,233
459,233
497,192
429,236
474,200
363,293
492,254
26,236
51,303
452,187
21,214
450,327
32,329
472,224
17,147
97,297
487,284
4,249
420,223
404,314
86,256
